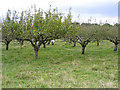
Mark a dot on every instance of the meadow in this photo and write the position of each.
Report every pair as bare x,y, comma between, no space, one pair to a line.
60,66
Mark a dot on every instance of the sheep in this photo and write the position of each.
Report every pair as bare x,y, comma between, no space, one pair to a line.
53,41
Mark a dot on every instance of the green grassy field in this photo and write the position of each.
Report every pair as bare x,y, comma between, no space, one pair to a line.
60,66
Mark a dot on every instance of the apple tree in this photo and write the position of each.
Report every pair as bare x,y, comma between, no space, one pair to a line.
112,36
39,29
8,28
85,35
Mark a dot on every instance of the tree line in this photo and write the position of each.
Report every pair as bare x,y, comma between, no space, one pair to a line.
38,28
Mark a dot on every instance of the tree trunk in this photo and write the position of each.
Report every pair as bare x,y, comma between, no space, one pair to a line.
97,42
36,52
74,44
22,42
7,45
49,42
83,49
115,48
44,45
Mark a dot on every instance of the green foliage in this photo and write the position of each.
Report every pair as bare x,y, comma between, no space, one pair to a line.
72,33
39,27
67,23
112,33
86,32
98,33
8,26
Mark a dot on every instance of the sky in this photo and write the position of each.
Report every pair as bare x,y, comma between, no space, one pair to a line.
100,11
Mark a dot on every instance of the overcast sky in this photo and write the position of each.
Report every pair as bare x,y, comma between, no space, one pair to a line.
97,9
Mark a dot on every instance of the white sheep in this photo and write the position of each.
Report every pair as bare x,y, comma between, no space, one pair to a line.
53,41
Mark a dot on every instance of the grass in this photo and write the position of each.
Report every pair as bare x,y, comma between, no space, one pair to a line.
0,24
60,66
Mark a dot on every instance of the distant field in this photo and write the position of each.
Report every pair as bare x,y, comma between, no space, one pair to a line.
60,66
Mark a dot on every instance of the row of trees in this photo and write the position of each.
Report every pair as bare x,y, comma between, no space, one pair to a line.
40,27
85,33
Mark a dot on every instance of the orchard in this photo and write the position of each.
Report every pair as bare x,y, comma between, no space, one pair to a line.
47,49
38,27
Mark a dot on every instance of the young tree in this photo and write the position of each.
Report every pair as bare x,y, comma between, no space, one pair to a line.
99,33
53,22
20,28
112,36
82,34
72,33
34,28
85,35
38,29
67,27
8,28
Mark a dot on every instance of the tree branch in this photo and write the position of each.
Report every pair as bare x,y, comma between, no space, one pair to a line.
30,41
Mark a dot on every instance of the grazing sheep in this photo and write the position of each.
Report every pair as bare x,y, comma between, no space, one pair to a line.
53,41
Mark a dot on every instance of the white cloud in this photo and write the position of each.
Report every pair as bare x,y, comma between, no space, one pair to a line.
95,18
44,4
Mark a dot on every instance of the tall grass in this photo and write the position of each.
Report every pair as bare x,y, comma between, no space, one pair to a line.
60,66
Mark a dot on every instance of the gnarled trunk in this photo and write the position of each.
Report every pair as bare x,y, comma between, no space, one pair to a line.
115,48
36,52
97,42
49,42
74,44
83,49
7,46
44,45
